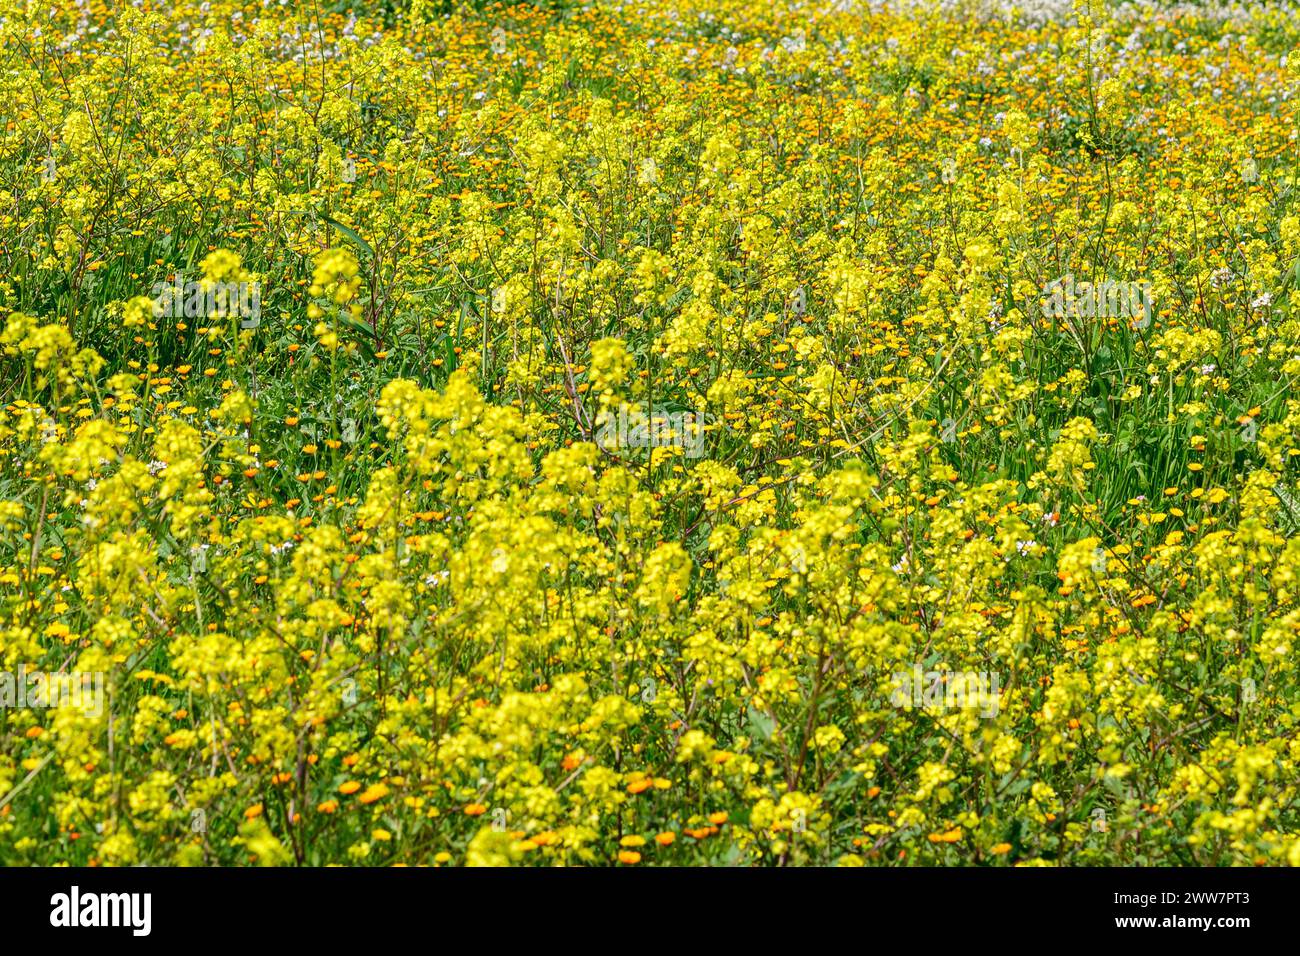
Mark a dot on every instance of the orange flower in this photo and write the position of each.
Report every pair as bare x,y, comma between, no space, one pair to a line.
349,788
666,838
475,810
629,857
948,836
376,791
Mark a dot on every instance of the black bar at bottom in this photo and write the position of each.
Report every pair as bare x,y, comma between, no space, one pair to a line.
377,908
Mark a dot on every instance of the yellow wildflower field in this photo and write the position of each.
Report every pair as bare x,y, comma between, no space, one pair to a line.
708,432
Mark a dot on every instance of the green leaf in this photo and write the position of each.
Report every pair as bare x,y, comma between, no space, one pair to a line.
761,725
351,234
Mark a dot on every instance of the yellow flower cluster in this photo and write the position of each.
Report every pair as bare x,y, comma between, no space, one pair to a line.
659,443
